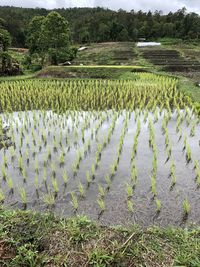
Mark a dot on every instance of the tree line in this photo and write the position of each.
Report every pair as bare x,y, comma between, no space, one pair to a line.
103,25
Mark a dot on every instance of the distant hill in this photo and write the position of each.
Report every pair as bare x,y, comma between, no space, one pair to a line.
103,25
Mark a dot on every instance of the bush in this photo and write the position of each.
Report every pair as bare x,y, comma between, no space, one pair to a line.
35,67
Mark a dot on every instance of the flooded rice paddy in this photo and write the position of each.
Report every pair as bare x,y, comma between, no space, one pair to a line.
117,167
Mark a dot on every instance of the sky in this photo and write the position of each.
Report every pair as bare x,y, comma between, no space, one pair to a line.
145,5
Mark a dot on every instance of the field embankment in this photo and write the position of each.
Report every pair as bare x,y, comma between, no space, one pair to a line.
33,239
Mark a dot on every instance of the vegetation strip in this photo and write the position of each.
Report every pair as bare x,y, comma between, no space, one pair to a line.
32,239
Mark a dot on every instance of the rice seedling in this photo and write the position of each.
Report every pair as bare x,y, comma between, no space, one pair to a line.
186,207
74,201
53,170
62,159
55,185
134,175
65,178
153,185
193,129
24,175
158,205
188,153
172,168
101,204
130,206
49,154
49,199
173,180
3,172
155,165
108,181
196,164
169,152
36,182
37,167
88,178
198,177
129,191
81,189
2,196
23,196
93,171
102,191
20,164
9,182
185,143
5,161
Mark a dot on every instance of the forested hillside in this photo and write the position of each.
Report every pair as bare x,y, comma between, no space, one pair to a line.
101,25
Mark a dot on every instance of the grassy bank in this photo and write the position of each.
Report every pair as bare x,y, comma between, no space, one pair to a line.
32,239
92,72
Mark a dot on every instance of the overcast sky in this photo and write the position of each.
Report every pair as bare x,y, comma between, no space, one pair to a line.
164,5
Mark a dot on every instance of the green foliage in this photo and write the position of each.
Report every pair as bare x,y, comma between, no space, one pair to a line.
5,40
49,37
108,25
27,232
5,58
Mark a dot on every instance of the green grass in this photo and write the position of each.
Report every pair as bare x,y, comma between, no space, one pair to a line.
188,87
34,239
16,78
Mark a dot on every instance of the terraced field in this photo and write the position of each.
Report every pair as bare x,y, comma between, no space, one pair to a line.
112,53
170,60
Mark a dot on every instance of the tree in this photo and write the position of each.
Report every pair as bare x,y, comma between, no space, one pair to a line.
2,23
5,41
55,32
104,32
34,38
123,35
49,37
168,30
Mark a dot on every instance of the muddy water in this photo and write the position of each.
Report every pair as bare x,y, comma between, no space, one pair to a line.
29,127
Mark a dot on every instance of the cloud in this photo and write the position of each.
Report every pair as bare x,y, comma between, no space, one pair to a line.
166,6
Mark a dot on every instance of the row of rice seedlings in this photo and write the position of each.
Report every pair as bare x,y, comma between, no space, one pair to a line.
129,191
86,149
151,134
114,166
153,185
135,141
134,174
193,129
172,174
93,95
43,139
90,177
